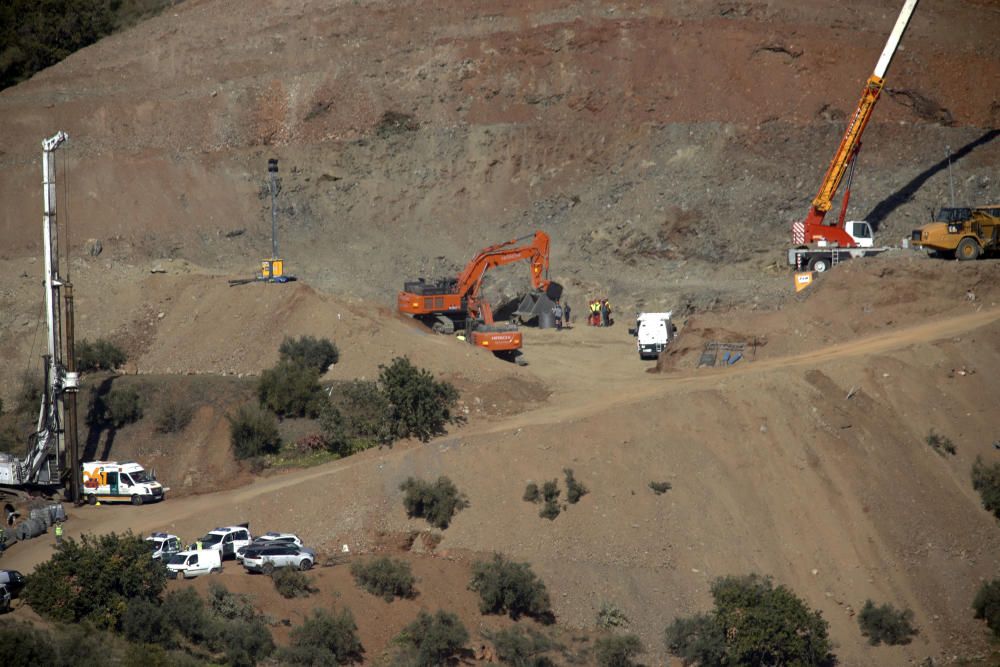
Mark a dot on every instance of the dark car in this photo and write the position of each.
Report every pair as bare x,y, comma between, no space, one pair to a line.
13,580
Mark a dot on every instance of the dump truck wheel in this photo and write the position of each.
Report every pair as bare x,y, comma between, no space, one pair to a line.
967,249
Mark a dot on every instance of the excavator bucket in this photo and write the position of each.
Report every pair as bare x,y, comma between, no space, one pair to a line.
536,305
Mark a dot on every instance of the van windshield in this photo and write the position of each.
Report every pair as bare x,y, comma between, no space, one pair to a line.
211,539
177,559
140,477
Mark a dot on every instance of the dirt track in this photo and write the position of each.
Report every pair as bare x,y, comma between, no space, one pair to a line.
602,418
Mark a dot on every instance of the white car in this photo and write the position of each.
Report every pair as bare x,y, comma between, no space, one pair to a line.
189,564
163,545
277,556
268,539
226,540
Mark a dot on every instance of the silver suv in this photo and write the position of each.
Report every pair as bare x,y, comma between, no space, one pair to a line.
270,558
269,538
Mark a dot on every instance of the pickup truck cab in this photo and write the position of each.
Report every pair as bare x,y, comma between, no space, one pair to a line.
189,564
227,540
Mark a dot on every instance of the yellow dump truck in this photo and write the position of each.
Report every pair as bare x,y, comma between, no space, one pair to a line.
965,233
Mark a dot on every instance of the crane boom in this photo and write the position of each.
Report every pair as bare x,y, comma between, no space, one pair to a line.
813,229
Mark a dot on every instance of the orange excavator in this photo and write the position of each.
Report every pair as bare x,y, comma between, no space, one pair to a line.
455,303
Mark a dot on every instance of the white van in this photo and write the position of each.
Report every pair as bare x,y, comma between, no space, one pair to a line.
193,563
653,332
110,481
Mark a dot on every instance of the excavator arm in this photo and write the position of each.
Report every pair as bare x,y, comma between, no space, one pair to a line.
813,227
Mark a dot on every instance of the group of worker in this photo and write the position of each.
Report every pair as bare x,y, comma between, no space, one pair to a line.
600,313
561,314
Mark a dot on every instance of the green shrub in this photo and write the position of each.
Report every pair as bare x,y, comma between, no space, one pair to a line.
395,122
940,444
385,577
550,510
23,646
93,579
419,405
610,616
697,639
291,583
659,488
987,605
366,411
520,647
146,622
437,503
253,432
114,408
617,650
101,355
310,352
243,643
886,624
325,639
532,493
986,480
431,640
29,393
574,489
174,417
510,588
186,613
753,622
231,606
291,390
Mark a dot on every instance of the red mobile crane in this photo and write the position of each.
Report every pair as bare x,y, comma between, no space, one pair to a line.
451,303
820,244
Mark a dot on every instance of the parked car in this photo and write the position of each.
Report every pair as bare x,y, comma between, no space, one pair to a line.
269,538
276,556
225,540
189,564
163,545
13,580
4,598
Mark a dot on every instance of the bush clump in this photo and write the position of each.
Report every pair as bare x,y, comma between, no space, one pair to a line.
291,583
753,622
174,416
437,503
510,588
532,493
886,624
316,353
522,647
385,577
986,480
253,433
419,406
101,355
115,409
93,579
940,443
617,650
356,418
291,390
324,638
987,605
431,640
659,488
610,616
574,489
550,495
